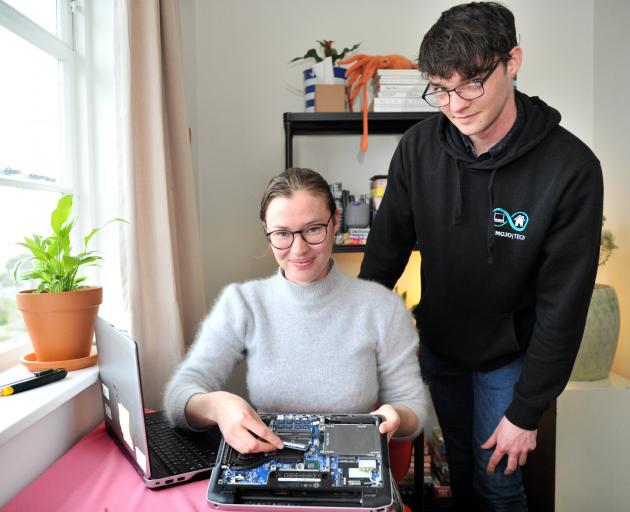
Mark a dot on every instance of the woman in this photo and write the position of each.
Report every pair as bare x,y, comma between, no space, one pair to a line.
315,339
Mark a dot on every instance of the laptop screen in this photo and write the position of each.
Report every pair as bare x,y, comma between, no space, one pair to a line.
122,391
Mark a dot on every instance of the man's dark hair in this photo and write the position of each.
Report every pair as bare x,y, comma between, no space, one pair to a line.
468,39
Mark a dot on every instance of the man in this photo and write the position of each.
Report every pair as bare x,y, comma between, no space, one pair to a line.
506,207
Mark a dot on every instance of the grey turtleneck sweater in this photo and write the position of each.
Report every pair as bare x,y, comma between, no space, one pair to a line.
338,345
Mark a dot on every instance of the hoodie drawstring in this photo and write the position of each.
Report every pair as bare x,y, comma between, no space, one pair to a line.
491,237
457,212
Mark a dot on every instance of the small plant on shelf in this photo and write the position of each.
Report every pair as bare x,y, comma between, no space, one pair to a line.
607,246
328,51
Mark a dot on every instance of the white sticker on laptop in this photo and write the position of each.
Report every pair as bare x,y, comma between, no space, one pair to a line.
125,425
105,391
141,459
108,411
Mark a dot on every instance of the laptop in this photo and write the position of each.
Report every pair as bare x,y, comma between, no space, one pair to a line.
330,462
162,455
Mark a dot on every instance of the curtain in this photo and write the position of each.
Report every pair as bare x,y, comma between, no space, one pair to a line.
162,269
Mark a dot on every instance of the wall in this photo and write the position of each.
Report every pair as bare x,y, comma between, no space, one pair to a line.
241,83
610,142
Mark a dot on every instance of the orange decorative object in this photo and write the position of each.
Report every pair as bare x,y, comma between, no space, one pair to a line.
361,70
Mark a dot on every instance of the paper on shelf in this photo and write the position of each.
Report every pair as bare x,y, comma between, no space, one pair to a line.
323,71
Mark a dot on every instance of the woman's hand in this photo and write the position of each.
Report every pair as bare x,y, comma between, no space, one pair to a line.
392,420
241,427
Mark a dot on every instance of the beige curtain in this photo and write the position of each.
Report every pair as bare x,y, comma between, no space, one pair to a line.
163,270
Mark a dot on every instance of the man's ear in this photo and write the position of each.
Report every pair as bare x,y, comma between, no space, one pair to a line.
516,59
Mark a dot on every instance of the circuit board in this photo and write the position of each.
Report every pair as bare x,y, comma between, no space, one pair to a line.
320,452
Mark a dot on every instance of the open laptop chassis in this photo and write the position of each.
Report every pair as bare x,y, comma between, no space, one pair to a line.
330,462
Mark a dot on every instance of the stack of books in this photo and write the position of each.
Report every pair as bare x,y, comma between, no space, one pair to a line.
399,90
439,466
357,236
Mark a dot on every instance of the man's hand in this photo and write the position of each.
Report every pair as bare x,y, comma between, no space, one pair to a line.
512,441
392,420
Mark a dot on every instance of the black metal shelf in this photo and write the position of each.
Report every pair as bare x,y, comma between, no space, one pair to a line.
348,248
345,123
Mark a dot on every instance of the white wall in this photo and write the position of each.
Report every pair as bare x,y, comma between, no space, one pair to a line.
611,144
241,82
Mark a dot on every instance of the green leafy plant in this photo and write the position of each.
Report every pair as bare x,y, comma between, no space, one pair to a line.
329,51
52,264
607,245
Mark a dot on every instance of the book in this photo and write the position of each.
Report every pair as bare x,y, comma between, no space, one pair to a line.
402,80
441,471
436,442
404,108
402,105
441,491
359,232
436,454
400,101
405,93
402,72
399,87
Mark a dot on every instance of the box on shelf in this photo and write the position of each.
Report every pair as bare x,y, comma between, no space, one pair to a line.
330,98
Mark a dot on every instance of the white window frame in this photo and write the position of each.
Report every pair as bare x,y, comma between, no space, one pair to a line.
61,47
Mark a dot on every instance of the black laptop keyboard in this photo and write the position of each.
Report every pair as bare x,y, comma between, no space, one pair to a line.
176,452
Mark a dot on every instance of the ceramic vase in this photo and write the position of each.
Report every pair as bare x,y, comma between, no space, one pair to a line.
601,333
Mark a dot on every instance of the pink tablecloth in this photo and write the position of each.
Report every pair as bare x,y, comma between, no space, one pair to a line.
95,476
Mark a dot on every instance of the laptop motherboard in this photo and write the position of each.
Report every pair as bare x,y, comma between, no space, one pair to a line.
320,452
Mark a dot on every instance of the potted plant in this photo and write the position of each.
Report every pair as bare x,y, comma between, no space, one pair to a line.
310,80
59,313
601,332
329,51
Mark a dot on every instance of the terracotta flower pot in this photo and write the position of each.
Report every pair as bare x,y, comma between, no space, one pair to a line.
60,325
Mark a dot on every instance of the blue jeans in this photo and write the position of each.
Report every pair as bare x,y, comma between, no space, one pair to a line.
469,405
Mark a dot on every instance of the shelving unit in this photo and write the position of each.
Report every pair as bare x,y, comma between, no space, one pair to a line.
345,123
351,123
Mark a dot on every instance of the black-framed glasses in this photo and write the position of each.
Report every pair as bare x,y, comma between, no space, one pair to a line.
470,90
314,234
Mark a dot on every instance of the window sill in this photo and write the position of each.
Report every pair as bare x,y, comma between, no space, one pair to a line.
11,350
20,411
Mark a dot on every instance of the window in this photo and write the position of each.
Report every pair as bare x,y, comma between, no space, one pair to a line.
37,156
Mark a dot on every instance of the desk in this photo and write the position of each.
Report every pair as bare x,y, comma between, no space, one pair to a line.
94,475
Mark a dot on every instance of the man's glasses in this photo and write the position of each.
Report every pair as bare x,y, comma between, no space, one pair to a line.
470,90
314,234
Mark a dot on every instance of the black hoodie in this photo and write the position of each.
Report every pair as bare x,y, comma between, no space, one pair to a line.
509,248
